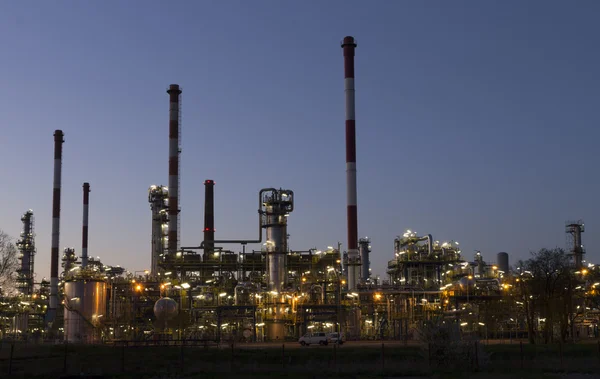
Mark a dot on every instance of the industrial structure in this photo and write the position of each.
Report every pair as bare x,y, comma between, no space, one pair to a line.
206,292
26,246
576,249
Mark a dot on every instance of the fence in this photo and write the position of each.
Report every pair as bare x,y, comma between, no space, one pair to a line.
188,357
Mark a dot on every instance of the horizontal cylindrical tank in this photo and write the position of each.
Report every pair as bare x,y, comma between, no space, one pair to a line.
502,260
85,307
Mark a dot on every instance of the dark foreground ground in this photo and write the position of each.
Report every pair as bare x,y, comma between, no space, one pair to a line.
352,360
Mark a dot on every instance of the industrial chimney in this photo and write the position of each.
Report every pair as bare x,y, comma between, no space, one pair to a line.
348,46
209,218
174,93
84,232
53,301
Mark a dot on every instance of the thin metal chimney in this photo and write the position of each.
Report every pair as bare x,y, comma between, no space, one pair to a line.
174,93
348,46
209,218
84,232
53,301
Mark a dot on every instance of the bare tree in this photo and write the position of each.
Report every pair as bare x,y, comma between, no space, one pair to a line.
547,286
8,264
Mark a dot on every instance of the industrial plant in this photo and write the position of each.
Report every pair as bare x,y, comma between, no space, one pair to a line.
206,292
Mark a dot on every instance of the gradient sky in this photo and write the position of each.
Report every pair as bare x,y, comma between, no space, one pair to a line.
477,121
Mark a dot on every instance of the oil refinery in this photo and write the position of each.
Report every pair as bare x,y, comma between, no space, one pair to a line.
206,292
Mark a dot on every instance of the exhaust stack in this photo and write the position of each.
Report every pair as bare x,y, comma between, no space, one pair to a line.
84,232
348,46
174,93
209,218
53,301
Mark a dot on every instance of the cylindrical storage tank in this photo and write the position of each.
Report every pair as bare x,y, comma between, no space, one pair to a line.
85,305
502,260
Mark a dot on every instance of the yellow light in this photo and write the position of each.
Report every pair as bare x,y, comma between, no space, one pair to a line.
377,296
494,267
338,261
470,277
303,279
343,281
162,286
138,287
584,271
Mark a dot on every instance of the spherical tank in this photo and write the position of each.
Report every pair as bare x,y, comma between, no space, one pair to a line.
85,305
165,309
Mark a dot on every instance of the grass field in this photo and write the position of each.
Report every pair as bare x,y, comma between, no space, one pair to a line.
246,361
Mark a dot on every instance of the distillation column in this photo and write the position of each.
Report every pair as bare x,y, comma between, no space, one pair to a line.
157,197
26,246
174,93
348,46
575,228
53,301
365,249
277,205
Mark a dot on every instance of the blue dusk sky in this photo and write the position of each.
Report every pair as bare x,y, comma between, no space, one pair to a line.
477,121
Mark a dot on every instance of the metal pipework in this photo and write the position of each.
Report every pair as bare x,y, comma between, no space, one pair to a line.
84,232
277,205
209,218
243,242
174,93
429,239
53,300
349,46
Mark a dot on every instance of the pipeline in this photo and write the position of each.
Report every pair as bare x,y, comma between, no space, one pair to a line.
242,242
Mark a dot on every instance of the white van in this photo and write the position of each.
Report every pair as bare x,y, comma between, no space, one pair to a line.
313,338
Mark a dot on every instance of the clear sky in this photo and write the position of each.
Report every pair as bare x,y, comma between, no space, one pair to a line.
477,121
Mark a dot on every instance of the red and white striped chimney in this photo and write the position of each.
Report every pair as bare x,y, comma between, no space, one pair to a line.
348,46
84,232
53,301
174,93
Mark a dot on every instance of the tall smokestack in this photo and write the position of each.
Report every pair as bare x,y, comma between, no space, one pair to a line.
209,217
348,46
58,141
174,93
84,232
